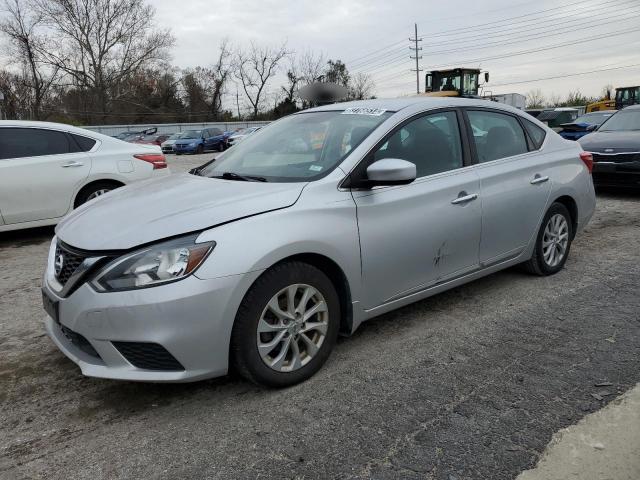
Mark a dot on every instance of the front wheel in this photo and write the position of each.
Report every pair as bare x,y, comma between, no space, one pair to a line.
200,149
552,243
286,326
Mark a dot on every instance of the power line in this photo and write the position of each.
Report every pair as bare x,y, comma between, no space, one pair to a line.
540,25
380,61
566,75
563,31
477,26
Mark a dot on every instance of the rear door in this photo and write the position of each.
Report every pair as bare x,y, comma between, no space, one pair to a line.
514,181
40,170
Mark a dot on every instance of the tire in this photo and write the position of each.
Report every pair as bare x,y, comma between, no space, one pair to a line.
199,150
221,147
542,265
254,311
94,190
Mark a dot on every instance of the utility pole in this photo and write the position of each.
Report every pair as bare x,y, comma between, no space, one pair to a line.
417,57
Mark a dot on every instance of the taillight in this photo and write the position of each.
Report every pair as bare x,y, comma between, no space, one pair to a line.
587,158
156,159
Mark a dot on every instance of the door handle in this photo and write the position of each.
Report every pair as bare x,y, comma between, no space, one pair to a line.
538,179
72,164
464,198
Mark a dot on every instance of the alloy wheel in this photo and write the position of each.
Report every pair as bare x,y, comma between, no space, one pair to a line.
292,327
555,240
98,193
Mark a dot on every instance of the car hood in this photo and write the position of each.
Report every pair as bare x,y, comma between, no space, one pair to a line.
160,208
611,142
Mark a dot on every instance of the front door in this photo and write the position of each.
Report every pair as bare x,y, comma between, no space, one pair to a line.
38,174
417,235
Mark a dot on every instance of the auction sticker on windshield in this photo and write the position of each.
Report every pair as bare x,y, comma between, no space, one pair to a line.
376,112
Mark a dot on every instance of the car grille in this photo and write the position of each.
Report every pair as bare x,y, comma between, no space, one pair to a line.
79,341
66,263
617,158
148,356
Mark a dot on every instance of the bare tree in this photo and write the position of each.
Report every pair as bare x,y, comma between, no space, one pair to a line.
310,66
361,86
554,100
21,27
255,68
99,43
535,98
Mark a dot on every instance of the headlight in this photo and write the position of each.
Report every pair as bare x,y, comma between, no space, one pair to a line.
192,144
163,263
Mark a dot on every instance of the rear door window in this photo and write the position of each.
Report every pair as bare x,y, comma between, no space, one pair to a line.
496,135
32,142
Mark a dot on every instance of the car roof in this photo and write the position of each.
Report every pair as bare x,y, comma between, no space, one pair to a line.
397,104
55,126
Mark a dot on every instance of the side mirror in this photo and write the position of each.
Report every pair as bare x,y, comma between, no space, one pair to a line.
486,77
390,171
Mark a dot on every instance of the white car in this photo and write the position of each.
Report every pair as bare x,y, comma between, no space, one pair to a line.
48,169
240,135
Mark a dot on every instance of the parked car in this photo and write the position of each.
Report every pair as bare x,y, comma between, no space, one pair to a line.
615,147
555,117
240,135
199,141
129,134
534,112
47,169
327,218
167,145
152,139
584,124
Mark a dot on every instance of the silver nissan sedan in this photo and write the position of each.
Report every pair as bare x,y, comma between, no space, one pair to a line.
316,223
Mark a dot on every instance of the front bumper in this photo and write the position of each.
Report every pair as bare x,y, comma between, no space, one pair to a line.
617,174
190,319
185,149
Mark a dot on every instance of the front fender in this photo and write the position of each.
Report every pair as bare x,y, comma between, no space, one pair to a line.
259,242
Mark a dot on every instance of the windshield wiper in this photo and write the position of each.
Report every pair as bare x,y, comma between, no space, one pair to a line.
245,178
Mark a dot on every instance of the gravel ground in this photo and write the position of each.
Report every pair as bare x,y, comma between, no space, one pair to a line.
470,384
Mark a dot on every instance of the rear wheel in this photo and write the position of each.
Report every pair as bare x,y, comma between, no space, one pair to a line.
286,326
94,190
552,243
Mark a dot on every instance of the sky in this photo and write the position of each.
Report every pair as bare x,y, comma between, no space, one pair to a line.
516,41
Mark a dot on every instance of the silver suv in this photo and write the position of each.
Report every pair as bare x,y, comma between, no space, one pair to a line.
314,224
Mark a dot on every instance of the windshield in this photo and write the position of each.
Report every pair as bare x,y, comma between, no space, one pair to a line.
300,147
622,121
191,134
593,118
174,136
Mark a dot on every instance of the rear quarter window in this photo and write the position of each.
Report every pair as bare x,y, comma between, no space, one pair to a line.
84,143
536,133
